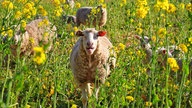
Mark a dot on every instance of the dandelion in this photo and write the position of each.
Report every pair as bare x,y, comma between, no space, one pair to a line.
171,8
130,98
173,64
148,104
78,5
162,32
39,57
74,106
183,48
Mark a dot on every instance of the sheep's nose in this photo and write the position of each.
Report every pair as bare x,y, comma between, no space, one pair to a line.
89,43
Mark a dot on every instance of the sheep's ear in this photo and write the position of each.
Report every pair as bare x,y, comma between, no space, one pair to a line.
101,33
137,37
79,33
164,51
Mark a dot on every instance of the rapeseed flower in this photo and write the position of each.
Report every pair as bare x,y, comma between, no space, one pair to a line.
130,98
42,11
121,46
18,15
75,29
171,8
58,11
148,104
78,5
142,11
182,6
189,7
23,24
162,32
39,56
7,4
141,3
163,4
10,33
101,1
74,106
56,2
139,30
173,64
183,47
190,40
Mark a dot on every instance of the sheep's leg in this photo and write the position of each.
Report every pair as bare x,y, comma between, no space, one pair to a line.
89,89
84,95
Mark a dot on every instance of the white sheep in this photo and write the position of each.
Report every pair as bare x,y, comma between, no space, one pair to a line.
91,58
34,35
85,16
71,3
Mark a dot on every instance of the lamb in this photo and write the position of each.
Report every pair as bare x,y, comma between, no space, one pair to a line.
91,56
69,19
33,36
91,15
163,53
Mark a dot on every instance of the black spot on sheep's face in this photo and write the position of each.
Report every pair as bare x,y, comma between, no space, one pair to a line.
90,39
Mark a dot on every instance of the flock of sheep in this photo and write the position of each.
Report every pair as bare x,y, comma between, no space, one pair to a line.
93,53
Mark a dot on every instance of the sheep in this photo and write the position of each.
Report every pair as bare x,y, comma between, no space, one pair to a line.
85,16
91,56
69,19
33,36
163,53
71,3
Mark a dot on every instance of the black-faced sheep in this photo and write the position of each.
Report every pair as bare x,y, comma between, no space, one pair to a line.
91,16
91,60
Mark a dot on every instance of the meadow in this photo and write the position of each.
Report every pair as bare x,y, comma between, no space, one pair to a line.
50,84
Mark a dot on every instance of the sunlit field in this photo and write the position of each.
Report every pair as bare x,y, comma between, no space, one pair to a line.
46,80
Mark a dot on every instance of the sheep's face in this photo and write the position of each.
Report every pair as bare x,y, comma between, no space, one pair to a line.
90,39
144,42
163,54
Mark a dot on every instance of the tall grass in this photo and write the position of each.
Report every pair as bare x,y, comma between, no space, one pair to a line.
26,84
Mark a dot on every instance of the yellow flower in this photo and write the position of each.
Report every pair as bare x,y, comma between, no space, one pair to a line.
153,38
142,11
78,5
71,34
29,6
101,1
75,29
124,1
130,98
148,104
163,4
58,11
182,6
189,7
74,106
23,24
171,8
173,64
190,40
10,33
121,46
7,4
39,57
107,84
139,30
162,32
183,48
56,2
141,3
42,11
18,15
27,106
3,31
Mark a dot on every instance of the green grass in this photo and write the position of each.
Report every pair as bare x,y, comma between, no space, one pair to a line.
28,84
